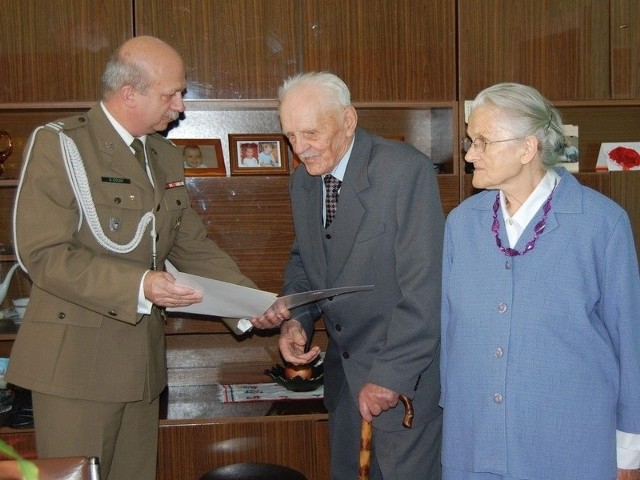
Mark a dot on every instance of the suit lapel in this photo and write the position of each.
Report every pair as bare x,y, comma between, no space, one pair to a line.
312,214
350,208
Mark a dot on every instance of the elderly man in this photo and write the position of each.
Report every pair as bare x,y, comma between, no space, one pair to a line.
382,224
91,346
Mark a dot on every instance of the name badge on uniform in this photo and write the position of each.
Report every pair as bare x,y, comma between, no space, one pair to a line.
116,180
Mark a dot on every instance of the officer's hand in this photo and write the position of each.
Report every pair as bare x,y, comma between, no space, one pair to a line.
161,289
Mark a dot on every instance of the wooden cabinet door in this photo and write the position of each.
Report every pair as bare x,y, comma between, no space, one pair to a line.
56,51
233,49
625,49
559,47
402,50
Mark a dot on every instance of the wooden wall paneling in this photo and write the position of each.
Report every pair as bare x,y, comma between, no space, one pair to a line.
232,48
250,219
56,51
188,451
427,127
624,190
321,444
625,49
560,48
392,51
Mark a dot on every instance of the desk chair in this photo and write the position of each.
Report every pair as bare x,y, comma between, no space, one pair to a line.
253,471
64,468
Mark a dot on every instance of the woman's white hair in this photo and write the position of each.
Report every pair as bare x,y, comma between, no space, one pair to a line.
528,113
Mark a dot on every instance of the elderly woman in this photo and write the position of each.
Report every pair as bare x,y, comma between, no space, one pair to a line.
540,312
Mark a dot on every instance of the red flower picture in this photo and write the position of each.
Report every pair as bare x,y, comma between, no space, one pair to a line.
627,158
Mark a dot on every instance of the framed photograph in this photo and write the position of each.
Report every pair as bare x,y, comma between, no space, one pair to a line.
201,157
258,154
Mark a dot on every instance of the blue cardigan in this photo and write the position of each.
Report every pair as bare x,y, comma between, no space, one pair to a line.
540,353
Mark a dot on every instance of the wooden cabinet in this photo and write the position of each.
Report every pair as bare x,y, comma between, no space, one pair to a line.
560,47
400,50
233,49
625,49
385,51
55,51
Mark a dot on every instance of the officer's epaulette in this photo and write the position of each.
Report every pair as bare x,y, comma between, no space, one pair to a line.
69,123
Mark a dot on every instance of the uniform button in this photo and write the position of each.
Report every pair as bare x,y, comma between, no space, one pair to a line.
338,328
502,307
178,202
117,200
82,119
61,315
345,355
327,236
498,352
113,313
497,397
507,265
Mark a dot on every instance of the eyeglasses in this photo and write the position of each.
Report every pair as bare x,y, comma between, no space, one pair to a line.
480,144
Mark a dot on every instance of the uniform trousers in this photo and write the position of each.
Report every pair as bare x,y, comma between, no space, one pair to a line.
123,435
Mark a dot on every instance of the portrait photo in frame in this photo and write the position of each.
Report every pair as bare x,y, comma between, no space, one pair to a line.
258,154
201,157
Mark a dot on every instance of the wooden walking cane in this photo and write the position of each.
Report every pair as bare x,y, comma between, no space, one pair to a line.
365,438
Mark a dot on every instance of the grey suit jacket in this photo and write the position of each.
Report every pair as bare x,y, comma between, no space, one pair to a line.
388,231
81,336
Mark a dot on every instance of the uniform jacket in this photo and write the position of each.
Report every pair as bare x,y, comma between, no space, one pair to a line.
387,232
81,336
540,352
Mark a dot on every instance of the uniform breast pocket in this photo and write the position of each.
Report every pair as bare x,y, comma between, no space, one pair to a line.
119,209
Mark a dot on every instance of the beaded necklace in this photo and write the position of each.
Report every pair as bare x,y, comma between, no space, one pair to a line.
537,230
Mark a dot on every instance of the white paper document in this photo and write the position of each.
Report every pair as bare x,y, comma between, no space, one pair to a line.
224,299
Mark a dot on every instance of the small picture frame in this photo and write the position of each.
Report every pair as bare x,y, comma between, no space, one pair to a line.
201,157
258,154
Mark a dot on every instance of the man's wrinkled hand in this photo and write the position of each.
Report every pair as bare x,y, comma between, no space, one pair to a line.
293,344
374,399
273,317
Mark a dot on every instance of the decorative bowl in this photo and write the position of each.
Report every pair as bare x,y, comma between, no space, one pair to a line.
298,384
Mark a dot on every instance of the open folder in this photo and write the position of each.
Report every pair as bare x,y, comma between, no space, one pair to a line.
239,303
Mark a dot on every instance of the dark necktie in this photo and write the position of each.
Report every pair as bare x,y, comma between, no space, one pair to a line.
332,185
138,148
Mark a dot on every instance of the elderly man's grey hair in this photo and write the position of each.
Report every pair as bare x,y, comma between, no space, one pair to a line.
528,113
336,90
